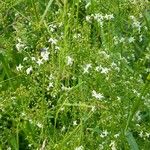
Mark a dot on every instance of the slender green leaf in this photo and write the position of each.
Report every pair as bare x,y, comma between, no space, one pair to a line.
46,10
131,140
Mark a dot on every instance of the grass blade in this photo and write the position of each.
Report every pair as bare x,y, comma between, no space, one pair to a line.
46,10
132,142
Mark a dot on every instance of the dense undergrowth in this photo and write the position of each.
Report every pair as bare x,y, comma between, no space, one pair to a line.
74,75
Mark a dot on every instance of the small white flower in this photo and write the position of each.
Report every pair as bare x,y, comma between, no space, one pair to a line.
39,125
136,24
19,67
19,47
69,61
51,77
79,148
88,19
122,39
23,114
104,54
25,59
98,17
109,17
140,38
57,48
98,68
75,123
132,17
147,134
29,145
93,108
97,95
45,55
131,39
101,147
86,68
117,135
104,134
33,58
39,62
63,129
53,41
138,116
29,70
116,40
113,145
104,70
64,88
141,134
50,86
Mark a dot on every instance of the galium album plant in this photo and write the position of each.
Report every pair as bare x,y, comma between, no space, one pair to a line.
75,75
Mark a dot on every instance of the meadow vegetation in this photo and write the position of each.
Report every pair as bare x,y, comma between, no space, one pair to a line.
74,74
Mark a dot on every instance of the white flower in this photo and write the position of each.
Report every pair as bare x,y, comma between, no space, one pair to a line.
25,59
141,134
147,135
53,41
98,68
51,77
9,148
75,123
104,54
138,116
113,145
69,61
57,49
86,68
39,125
28,71
117,135
140,38
45,55
97,95
104,70
64,88
93,108
132,17
19,47
79,148
63,129
116,40
39,62
104,134
98,17
109,17
136,24
33,58
131,39
101,147
88,19
122,39
19,67
50,86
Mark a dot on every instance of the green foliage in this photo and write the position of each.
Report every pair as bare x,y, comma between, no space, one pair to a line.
74,75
